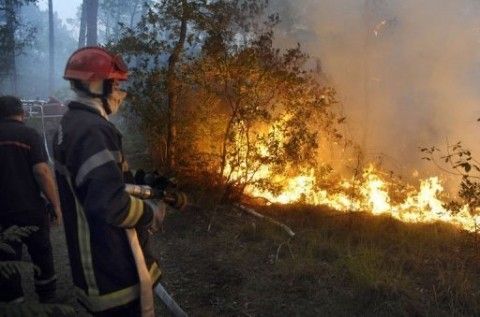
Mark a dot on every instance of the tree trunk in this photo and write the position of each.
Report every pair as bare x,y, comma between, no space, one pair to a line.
172,87
83,25
132,16
107,27
92,20
14,74
144,8
116,28
51,49
228,130
10,39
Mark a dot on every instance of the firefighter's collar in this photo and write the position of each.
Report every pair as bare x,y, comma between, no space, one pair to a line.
76,105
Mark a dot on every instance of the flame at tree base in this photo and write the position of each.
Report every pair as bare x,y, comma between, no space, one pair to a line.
371,194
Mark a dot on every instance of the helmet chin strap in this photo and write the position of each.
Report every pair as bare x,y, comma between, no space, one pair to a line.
106,105
107,90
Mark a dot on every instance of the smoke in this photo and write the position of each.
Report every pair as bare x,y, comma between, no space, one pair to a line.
407,71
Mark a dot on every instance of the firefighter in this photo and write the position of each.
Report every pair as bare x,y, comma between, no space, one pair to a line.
90,166
24,176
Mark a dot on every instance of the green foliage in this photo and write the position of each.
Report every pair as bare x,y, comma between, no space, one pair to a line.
470,192
458,160
272,112
154,50
456,157
242,103
13,234
8,268
14,34
31,52
113,14
35,56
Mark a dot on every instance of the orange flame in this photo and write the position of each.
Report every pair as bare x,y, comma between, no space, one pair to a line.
422,205
370,193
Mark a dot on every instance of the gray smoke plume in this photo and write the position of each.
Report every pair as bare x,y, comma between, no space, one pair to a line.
407,71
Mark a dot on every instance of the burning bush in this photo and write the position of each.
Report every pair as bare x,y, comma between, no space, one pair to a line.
245,110
269,115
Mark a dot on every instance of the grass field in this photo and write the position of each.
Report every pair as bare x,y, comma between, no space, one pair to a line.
338,264
227,263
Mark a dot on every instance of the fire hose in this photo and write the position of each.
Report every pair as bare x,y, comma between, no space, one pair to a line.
176,200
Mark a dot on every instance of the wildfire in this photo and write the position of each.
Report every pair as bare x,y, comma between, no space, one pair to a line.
371,192
422,205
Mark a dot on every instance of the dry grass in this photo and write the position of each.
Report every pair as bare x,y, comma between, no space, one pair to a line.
338,264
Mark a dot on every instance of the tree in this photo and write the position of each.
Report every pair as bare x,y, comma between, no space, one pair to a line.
10,42
239,104
166,32
172,85
272,112
113,14
91,21
33,64
83,29
14,37
51,49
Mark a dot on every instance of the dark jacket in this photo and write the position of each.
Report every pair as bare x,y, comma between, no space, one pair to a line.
96,210
21,147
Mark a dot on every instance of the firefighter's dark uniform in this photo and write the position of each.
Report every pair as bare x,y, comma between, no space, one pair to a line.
96,210
21,204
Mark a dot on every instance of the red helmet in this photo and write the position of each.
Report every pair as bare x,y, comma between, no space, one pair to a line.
95,63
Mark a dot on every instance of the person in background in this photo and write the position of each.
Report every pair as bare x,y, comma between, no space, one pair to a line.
25,179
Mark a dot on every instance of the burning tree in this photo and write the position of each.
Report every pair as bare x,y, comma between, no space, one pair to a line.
242,108
209,84
170,34
270,113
